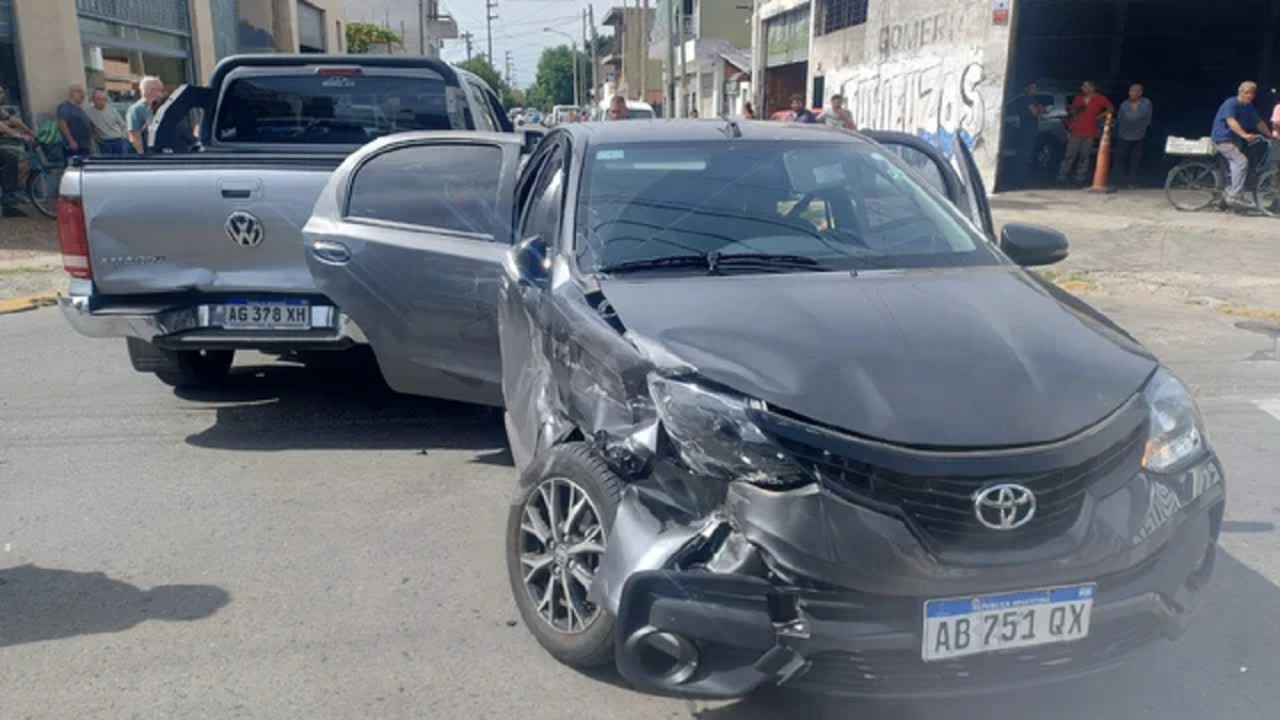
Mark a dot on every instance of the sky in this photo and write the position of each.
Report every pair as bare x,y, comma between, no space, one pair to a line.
518,29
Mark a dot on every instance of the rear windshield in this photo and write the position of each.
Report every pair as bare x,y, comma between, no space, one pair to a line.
334,109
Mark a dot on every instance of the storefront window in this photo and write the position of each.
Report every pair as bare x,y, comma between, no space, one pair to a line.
10,78
243,26
117,56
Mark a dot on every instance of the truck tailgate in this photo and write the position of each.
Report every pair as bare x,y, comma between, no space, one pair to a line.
203,222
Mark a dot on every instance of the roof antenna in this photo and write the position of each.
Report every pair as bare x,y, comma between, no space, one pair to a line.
731,130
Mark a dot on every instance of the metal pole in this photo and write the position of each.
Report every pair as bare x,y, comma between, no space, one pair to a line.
489,16
671,58
595,54
644,52
684,90
422,27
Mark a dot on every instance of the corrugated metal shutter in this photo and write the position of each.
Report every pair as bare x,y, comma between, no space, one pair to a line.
310,26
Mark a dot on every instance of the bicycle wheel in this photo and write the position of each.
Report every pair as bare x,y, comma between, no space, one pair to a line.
1267,194
1193,185
42,191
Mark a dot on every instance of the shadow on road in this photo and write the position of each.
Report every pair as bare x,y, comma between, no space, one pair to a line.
38,604
339,406
1230,648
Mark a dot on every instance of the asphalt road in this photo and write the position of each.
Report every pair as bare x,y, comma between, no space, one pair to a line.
306,545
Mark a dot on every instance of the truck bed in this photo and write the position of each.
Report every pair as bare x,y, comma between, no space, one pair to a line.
159,223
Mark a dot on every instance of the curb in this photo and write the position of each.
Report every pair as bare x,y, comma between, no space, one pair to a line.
28,302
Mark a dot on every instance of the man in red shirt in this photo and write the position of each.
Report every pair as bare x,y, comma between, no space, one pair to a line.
1082,125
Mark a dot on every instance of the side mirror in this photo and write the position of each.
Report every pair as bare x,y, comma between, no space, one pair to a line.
532,262
1032,245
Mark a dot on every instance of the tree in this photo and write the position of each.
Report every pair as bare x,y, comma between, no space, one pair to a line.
362,36
481,66
553,84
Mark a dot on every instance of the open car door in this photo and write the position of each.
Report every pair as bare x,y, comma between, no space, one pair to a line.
407,239
956,177
176,125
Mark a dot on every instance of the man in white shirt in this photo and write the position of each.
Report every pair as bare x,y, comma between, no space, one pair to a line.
837,115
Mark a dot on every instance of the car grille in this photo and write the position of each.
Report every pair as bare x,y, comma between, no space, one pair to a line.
893,672
940,507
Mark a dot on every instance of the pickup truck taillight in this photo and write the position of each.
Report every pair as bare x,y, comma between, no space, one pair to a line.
73,238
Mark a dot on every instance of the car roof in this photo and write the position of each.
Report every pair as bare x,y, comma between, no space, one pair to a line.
642,131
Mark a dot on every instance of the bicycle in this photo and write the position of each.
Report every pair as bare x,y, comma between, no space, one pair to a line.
42,180
1199,182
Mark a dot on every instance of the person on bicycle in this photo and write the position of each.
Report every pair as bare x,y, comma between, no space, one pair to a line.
1233,132
12,126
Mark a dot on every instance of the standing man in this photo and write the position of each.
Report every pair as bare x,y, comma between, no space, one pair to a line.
1082,124
109,129
1132,120
140,113
73,123
618,108
799,113
1233,131
837,115
12,126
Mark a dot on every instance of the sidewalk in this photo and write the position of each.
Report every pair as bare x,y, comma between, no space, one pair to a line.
30,263
1135,242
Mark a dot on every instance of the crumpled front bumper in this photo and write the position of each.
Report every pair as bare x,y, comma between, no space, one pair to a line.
701,634
177,326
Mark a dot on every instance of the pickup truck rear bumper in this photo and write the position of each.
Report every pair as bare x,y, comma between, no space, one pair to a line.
177,327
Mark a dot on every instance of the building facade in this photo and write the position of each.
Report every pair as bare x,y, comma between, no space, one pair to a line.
625,67
417,36
48,45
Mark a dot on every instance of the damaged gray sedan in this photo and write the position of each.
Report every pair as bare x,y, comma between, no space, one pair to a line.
785,412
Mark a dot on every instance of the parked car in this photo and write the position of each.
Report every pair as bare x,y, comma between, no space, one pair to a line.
784,407
192,257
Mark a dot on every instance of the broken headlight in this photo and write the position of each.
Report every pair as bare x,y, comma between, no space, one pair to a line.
1176,433
715,436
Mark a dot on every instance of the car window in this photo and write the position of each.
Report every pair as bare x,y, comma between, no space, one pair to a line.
863,206
439,187
332,109
484,118
543,214
922,164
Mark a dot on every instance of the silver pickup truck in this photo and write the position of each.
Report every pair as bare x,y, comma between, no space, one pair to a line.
194,253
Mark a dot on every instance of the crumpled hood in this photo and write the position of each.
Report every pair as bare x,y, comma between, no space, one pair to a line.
965,358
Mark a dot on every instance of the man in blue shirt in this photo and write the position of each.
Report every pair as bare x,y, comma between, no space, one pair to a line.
1233,129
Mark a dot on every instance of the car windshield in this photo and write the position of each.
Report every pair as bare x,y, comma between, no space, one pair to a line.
325,109
843,205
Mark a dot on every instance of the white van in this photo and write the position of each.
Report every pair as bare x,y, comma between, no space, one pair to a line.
635,109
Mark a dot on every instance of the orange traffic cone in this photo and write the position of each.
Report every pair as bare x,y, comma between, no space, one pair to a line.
1102,174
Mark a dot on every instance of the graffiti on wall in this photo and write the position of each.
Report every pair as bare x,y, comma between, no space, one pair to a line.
941,99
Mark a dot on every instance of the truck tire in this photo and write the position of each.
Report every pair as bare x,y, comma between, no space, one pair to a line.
566,474
181,368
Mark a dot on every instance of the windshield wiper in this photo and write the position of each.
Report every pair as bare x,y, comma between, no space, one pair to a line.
714,261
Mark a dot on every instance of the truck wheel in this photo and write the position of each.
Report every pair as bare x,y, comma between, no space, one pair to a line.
184,368
556,535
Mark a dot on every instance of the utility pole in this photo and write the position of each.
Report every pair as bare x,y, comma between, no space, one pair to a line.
644,52
422,27
511,78
595,58
684,89
490,14
670,20
466,37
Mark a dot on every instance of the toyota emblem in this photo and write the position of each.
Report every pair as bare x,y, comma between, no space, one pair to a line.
1007,506
244,229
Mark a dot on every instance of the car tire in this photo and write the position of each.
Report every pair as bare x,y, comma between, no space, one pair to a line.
181,368
550,476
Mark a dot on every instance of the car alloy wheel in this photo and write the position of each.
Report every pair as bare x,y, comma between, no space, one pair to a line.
561,545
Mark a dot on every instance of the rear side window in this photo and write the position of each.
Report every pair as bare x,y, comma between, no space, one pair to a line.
334,109
442,187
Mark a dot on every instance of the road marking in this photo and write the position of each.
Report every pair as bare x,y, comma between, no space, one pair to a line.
27,302
1270,407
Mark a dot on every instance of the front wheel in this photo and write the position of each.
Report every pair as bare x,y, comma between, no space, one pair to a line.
42,191
1193,185
1267,194
556,535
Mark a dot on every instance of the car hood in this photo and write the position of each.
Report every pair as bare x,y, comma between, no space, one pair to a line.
986,357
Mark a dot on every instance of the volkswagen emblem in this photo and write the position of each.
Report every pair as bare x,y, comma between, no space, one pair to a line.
1007,506
244,229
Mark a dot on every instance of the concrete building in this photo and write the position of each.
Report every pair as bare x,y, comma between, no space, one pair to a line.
711,53
47,45
954,70
401,17
626,67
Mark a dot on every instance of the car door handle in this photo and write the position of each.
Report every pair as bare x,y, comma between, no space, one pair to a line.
331,253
